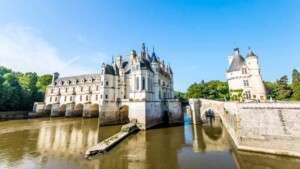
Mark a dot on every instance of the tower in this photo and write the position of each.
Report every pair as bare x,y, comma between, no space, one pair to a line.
244,78
257,86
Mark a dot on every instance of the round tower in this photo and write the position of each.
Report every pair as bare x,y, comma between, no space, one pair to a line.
258,91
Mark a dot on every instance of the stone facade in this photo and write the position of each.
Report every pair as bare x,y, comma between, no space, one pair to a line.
244,77
261,127
141,84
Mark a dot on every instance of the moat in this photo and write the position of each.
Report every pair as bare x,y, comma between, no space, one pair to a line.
60,143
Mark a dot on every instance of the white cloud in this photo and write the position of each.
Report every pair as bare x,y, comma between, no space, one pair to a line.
24,49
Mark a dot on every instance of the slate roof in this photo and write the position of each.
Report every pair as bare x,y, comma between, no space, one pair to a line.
109,69
79,77
236,64
251,54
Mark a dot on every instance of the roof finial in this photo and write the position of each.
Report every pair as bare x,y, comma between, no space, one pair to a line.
143,47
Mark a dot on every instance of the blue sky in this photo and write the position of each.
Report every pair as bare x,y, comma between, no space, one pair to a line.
195,37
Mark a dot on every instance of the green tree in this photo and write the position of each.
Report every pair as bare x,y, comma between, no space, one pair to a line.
28,82
18,91
296,85
11,94
182,97
214,89
42,83
271,89
282,89
195,91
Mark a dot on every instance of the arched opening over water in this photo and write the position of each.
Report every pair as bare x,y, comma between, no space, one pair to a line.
123,112
78,109
62,109
94,109
48,108
165,117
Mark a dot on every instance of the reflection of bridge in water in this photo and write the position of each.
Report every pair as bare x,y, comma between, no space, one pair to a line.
210,137
171,147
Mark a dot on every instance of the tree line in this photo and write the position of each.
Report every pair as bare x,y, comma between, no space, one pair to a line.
281,89
18,91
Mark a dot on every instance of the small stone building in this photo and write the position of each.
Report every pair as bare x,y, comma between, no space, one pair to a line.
244,77
138,88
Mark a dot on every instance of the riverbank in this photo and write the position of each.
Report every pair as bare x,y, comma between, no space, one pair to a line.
16,115
12,115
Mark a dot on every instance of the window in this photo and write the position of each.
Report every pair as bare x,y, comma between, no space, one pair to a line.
80,98
66,90
65,98
55,98
50,99
71,98
106,83
81,89
101,96
97,88
248,95
137,83
86,97
246,83
96,97
106,96
51,90
244,71
90,88
73,89
143,83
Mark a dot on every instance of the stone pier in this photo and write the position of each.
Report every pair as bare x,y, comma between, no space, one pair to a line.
56,111
70,110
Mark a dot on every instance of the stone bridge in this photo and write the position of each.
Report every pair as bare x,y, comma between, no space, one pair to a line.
203,108
271,127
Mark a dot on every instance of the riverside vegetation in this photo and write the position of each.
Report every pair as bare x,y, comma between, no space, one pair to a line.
281,89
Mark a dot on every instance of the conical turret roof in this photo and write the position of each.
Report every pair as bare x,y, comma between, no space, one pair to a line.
237,61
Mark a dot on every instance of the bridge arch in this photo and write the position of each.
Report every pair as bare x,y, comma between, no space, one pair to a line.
94,110
124,114
48,108
62,109
208,114
78,109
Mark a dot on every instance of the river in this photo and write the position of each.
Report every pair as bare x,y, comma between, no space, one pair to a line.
60,143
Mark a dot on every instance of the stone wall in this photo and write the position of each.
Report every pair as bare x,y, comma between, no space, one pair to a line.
265,127
262,127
